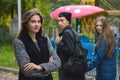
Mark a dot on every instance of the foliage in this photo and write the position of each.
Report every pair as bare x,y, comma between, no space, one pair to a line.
45,7
109,4
7,10
5,37
55,75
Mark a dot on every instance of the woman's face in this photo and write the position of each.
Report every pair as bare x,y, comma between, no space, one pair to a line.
34,24
99,27
62,22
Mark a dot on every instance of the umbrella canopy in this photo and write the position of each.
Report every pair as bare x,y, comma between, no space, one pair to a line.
77,11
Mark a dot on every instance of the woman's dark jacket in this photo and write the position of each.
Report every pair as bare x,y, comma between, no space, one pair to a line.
65,49
26,52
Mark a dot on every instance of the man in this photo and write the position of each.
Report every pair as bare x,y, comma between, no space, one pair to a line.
65,45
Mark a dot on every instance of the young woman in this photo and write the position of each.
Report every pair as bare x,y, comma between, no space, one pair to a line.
34,52
105,55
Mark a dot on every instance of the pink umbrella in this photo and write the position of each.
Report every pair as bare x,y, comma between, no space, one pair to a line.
77,11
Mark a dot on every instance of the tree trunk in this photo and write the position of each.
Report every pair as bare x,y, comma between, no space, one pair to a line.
96,2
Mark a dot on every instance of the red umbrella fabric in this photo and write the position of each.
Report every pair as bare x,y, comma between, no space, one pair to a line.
77,11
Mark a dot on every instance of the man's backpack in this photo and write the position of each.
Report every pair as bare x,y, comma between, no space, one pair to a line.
77,63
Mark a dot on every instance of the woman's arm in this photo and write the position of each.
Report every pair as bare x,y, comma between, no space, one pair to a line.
100,55
67,43
54,64
23,59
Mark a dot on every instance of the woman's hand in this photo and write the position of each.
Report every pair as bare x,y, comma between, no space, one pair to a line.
31,66
50,58
58,39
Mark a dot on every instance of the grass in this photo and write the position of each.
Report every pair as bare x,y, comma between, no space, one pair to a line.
7,59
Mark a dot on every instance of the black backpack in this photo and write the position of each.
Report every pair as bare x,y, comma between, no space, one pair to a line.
77,63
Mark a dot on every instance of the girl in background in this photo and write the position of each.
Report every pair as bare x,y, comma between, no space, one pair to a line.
105,55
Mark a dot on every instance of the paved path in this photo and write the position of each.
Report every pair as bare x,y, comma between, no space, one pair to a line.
8,76
11,74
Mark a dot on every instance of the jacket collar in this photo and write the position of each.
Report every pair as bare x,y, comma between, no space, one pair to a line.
68,27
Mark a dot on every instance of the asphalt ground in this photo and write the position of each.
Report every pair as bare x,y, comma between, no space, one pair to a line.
12,74
8,76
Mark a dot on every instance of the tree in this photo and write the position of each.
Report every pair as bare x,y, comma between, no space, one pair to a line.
7,11
109,4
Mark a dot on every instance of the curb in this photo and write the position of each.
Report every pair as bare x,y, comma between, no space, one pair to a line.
15,71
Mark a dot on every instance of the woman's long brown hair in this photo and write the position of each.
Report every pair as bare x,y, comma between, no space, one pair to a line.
107,34
26,17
